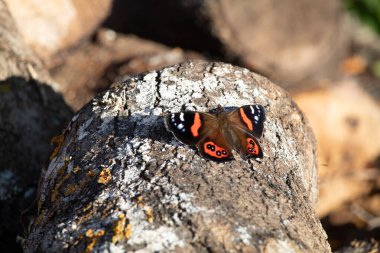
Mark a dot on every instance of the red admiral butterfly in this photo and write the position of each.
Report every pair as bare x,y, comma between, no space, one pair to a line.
215,135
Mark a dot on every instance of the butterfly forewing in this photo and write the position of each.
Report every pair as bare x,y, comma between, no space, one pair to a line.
247,123
186,126
249,118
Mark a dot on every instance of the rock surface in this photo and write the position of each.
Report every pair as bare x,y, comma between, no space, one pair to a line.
121,182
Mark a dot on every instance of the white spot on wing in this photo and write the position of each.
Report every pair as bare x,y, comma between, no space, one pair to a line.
181,116
252,110
180,126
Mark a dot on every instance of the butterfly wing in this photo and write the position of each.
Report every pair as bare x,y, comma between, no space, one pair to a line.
213,145
248,146
186,126
247,124
249,118
200,130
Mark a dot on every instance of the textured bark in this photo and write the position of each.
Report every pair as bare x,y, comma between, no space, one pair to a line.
30,114
120,181
290,41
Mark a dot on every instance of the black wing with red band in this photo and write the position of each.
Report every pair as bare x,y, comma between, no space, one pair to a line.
185,126
253,117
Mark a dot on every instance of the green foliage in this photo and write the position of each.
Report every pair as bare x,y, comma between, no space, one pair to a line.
367,10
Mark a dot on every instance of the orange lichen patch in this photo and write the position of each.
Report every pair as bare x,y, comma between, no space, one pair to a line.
149,215
105,176
58,142
39,205
122,229
246,120
139,201
128,231
148,211
196,125
87,207
61,178
90,233
76,169
40,217
94,238
70,189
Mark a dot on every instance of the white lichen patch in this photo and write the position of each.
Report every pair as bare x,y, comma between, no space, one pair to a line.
114,248
273,245
244,235
156,240
82,129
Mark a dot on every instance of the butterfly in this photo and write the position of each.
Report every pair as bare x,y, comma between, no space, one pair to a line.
216,135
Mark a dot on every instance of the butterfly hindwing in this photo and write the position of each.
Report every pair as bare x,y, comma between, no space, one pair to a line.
213,146
249,146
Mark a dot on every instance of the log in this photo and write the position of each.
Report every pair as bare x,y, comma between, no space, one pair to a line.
56,26
92,67
347,137
31,113
291,42
121,182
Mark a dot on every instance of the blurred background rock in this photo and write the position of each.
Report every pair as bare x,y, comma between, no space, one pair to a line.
325,53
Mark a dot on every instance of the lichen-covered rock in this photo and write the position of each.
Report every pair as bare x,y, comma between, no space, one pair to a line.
121,182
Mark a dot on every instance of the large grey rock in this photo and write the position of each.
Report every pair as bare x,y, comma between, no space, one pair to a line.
121,182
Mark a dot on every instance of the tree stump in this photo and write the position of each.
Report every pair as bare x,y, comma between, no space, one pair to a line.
120,182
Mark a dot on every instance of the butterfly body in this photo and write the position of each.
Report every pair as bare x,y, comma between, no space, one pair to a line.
216,135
